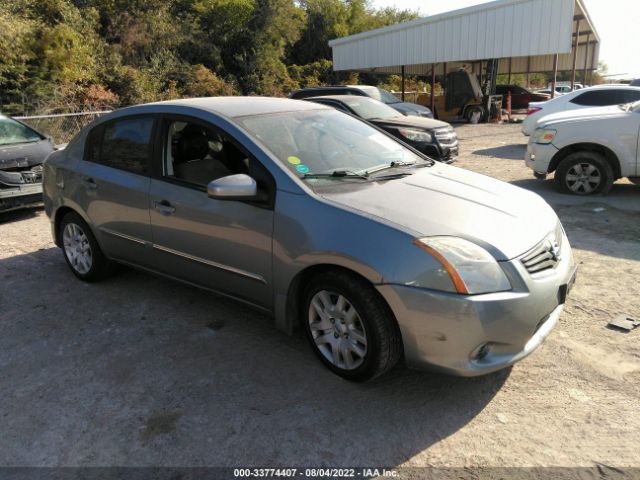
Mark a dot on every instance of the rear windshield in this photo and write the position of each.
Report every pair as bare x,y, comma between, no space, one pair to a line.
368,108
12,132
382,95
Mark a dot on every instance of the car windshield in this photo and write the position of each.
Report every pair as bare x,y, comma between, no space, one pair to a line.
382,95
12,132
312,142
369,108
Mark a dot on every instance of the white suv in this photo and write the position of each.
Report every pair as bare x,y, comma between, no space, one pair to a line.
587,149
600,96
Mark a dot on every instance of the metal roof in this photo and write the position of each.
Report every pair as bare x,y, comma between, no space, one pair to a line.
529,32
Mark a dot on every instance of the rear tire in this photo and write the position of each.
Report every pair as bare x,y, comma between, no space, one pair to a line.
584,173
350,327
81,250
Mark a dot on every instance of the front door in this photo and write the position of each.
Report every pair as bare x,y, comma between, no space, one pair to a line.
225,245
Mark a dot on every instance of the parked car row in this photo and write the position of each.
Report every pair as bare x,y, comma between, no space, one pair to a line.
589,138
376,93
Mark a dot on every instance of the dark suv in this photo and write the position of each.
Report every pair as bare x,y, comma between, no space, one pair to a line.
434,138
365,91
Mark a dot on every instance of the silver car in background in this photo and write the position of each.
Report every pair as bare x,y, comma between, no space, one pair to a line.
324,221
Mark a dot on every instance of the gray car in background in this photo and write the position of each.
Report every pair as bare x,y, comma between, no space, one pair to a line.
329,224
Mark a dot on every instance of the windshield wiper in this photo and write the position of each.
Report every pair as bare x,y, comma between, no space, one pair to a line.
338,174
396,164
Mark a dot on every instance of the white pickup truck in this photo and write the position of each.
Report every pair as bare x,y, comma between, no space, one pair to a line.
587,149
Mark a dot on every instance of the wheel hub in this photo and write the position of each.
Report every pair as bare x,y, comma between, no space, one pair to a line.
337,330
583,178
77,248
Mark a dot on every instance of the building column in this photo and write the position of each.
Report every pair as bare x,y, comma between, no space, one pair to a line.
555,76
575,54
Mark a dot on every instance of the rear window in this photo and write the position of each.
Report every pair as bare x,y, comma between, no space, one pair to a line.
600,98
123,144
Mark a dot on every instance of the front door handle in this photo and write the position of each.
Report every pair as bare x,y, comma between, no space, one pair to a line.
164,207
90,183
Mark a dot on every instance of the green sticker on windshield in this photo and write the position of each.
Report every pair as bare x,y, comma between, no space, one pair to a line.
302,168
294,160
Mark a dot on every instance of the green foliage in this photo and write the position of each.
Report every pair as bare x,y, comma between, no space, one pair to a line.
76,54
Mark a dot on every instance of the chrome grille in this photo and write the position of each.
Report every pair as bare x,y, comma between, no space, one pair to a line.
544,256
446,136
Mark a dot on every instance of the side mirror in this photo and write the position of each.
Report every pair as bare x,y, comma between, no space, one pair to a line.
233,187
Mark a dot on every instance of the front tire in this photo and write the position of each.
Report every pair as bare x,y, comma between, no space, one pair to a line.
584,173
81,250
472,111
350,327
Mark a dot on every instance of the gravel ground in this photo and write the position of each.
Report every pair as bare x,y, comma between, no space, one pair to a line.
140,370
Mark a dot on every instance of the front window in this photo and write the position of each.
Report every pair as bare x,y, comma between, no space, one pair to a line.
323,141
635,107
368,108
12,132
196,154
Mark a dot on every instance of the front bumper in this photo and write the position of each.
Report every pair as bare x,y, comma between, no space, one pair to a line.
538,157
479,334
441,153
20,189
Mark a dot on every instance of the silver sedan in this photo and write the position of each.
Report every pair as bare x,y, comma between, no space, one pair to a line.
329,224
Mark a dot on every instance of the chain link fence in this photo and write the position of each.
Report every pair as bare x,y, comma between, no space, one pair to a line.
61,127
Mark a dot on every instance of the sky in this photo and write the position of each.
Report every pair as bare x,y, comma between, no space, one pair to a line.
616,21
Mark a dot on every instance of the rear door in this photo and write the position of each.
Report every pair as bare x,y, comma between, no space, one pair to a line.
225,245
112,186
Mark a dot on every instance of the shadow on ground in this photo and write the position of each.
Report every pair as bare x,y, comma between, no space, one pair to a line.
606,224
507,152
21,214
139,370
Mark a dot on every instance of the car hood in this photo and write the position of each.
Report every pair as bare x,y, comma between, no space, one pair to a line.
442,200
581,114
411,121
24,154
410,108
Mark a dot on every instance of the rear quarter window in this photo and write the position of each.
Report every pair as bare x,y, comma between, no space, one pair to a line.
600,98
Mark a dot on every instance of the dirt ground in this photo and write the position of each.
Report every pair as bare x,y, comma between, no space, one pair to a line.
139,370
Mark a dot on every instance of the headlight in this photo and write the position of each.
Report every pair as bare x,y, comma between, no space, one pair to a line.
471,268
415,135
544,136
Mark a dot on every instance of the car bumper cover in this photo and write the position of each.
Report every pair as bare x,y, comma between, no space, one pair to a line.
476,335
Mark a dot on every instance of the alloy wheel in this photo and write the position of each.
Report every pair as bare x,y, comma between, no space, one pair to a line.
337,330
583,178
77,248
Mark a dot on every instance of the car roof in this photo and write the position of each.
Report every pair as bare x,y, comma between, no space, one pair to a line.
610,85
336,87
231,106
342,98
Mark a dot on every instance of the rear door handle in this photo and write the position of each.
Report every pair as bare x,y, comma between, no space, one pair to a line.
90,183
164,207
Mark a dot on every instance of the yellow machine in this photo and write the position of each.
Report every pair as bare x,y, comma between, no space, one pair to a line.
463,99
